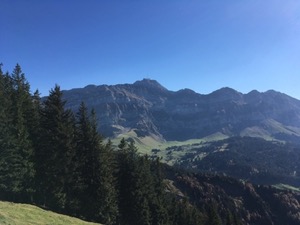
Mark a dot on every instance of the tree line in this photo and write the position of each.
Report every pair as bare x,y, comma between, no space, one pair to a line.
56,159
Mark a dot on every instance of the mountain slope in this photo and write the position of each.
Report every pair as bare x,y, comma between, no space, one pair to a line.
24,214
148,109
252,159
254,204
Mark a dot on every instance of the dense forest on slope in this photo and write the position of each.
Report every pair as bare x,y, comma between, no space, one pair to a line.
56,159
248,158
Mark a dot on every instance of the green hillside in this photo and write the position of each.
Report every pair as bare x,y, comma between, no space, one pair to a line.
24,214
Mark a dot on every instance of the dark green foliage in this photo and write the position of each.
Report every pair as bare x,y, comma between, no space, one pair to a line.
94,181
183,213
142,195
108,193
135,184
126,169
213,216
55,152
8,154
16,163
23,110
159,201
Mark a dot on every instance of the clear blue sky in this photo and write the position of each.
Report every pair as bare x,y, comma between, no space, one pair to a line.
198,44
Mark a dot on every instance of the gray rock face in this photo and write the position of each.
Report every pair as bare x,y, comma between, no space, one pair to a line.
150,109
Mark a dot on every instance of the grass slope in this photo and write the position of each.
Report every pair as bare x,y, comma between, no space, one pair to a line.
146,144
24,214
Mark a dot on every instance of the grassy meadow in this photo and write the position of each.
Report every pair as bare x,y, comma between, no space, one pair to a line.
24,214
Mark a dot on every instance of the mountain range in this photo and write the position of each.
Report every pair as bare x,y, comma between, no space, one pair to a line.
146,108
253,136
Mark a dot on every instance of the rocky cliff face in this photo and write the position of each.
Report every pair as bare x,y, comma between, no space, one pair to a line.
148,108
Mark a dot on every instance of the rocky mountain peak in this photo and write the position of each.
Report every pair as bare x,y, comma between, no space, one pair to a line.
148,83
226,91
226,94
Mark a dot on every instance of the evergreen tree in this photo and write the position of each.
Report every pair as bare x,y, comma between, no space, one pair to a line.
95,182
17,149
142,191
213,216
55,153
229,218
137,190
9,170
25,121
158,203
108,197
126,165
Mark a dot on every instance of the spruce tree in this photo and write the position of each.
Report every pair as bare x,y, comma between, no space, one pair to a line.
108,197
136,190
213,216
95,182
16,164
23,120
56,151
85,164
8,153
126,165
159,202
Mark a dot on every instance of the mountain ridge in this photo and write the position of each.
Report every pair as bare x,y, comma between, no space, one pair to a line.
148,108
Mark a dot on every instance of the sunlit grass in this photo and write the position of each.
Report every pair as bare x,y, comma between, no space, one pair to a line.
286,187
24,214
146,144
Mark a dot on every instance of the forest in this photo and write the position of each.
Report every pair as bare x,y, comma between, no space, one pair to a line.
56,159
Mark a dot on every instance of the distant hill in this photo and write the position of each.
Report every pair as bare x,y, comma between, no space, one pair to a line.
19,214
146,108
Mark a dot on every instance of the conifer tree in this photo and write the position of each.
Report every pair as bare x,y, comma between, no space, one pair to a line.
229,218
95,183
136,190
17,150
24,120
126,164
159,202
56,150
85,164
142,191
213,216
33,119
8,154
108,197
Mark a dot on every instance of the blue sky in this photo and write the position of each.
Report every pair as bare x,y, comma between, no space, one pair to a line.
198,44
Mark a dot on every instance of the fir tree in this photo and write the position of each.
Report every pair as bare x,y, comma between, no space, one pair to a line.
17,148
159,202
22,110
108,197
56,150
95,182
213,216
9,185
137,195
